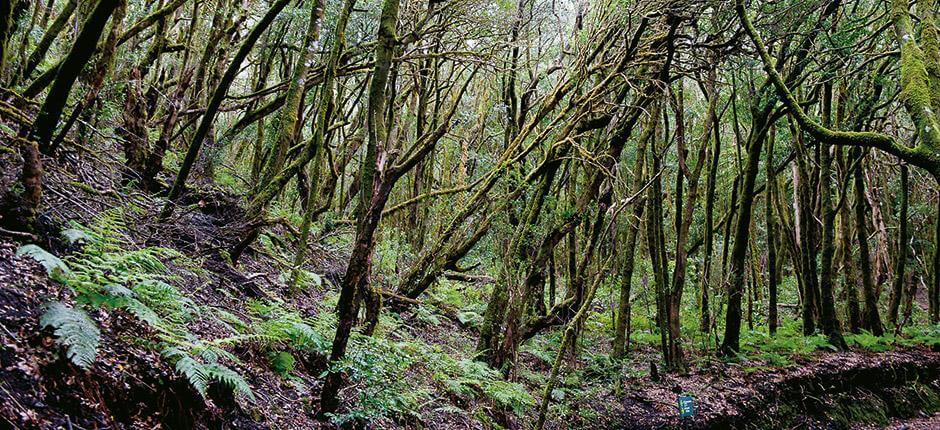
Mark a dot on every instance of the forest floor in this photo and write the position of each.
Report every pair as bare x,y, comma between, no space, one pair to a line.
418,373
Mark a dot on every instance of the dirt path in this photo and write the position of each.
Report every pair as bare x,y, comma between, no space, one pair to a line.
828,390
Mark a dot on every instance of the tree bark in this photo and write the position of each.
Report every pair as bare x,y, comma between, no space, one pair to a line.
871,320
217,96
772,274
82,50
897,287
622,324
731,341
51,33
828,319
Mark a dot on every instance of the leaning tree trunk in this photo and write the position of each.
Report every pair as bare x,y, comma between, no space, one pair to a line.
217,96
374,195
39,52
96,77
82,50
284,135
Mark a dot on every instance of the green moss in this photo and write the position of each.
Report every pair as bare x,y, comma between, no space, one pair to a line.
914,89
857,407
912,399
84,187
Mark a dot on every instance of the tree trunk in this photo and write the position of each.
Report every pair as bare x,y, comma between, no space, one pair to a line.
933,291
850,279
871,320
828,319
901,261
731,342
285,134
97,75
772,275
6,31
356,283
714,160
51,33
82,50
622,324
217,96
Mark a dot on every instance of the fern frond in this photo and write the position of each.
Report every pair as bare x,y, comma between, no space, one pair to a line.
74,330
230,379
194,371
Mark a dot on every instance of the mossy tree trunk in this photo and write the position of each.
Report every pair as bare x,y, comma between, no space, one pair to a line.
829,322
85,45
285,133
731,340
48,37
217,96
6,31
850,279
640,175
871,319
933,290
769,198
95,79
897,286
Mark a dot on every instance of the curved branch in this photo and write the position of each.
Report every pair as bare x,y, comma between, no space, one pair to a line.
918,156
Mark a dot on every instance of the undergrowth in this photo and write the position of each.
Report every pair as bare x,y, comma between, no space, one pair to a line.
108,274
105,276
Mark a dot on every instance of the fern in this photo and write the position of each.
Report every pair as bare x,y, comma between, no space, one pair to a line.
105,274
187,366
230,379
166,300
278,325
74,330
55,267
200,375
282,362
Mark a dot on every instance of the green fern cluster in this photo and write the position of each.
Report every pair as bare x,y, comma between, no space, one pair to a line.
277,326
377,367
381,369
470,378
203,369
105,275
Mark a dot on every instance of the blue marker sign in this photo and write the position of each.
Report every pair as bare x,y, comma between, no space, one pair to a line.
686,407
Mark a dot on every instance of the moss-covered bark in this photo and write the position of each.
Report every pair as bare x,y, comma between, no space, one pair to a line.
914,93
217,96
284,128
871,318
51,33
85,43
6,31
897,286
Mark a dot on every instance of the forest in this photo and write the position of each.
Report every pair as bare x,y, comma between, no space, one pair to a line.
469,214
